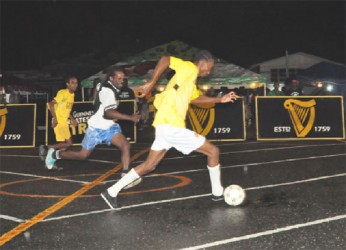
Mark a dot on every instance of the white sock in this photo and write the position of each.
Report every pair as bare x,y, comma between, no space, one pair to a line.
57,154
215,180
130,177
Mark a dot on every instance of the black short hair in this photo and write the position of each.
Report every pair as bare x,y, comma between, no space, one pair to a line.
112,70
71,77
204,55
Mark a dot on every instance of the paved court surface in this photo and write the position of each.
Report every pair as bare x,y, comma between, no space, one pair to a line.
296,200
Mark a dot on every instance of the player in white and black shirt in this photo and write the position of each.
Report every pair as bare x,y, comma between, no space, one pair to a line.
101,127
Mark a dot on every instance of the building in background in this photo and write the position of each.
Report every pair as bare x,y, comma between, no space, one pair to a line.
297,65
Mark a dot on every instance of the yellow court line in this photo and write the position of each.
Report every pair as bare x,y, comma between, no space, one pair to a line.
40,216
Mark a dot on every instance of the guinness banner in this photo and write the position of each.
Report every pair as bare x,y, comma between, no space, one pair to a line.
82,111
313,117
17,125
218,122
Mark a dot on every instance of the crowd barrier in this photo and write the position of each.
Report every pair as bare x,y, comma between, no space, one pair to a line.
277,118
297,118
17,125
218,122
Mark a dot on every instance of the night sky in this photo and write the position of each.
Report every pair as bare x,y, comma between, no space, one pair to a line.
37,33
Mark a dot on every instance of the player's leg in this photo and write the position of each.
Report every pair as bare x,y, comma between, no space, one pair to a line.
151,162
157,152
63,138
54,155
81,154
120,142
110,195
186,141
147,166
212,152
91,139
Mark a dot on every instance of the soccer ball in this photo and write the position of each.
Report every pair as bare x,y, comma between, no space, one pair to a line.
234,195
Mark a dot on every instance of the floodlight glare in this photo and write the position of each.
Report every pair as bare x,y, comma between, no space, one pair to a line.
319,85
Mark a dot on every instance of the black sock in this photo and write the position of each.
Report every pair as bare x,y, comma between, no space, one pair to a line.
56,154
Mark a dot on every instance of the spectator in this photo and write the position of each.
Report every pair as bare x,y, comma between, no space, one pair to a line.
126,93
276,91
294,89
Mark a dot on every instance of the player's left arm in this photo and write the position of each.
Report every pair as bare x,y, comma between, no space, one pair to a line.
73,121
161,66
108,99
230,97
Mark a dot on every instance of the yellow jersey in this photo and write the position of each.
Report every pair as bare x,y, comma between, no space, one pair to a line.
64,103
172,104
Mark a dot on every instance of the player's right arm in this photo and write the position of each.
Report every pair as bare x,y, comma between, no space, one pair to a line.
52,111
57,98
160,67
110,103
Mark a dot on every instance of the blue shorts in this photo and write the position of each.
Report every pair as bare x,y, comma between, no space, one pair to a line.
95,136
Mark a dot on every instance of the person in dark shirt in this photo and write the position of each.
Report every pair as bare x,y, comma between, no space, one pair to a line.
126,93
294,89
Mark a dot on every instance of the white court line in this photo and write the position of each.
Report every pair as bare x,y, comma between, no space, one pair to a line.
268,232
258,163
103,161
33,156
184,171
202,155
188,198
241,165
246,151
44,177
279,148
10,218
150,143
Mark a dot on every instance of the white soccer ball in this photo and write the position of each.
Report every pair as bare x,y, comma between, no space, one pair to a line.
234,195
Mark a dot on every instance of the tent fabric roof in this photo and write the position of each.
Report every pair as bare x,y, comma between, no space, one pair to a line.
224,73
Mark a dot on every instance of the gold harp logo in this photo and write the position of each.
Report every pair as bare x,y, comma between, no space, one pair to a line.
202,117
302,115
3,113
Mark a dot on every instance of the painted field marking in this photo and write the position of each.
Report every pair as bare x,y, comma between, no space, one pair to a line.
62,178
43,177
268,232
189,197
201,155
40,216
10,218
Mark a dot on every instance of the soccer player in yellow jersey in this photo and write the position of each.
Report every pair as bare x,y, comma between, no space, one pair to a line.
60,108
169,122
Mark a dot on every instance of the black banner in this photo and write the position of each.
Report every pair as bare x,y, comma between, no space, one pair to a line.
313,117
82,111
17,125
218,122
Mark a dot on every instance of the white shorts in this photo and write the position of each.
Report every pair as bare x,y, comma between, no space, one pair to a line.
182,139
